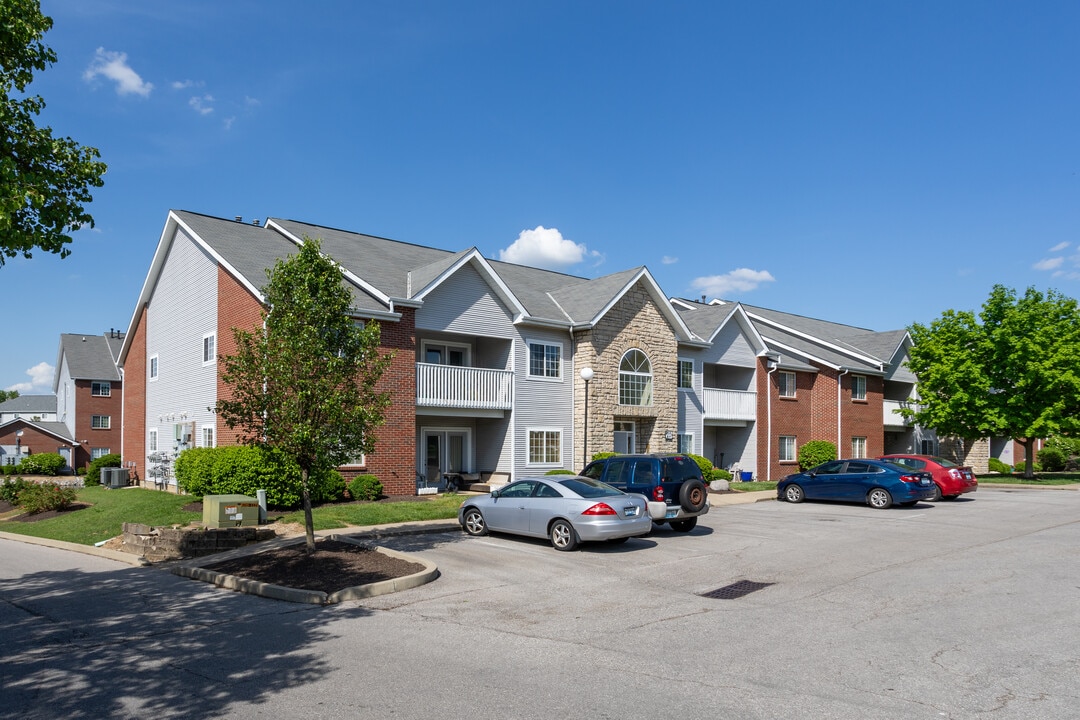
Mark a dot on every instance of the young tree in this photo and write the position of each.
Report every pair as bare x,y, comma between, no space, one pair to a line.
8,395
305,382
44,181
1013,371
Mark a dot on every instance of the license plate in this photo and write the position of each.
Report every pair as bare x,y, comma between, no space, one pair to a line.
630,512
671,513
924,481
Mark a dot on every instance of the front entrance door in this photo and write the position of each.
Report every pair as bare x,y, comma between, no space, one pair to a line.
624,437
65,452
445,451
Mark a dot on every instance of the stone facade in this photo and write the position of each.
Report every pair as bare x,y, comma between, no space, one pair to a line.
160,543
634,321
972,453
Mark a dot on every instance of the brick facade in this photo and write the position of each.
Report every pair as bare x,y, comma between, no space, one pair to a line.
89,437
133,438
236,308
633,322
34,440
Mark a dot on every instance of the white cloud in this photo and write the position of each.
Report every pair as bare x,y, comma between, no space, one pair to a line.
113,66
740,280
41,377
202,105
185,84
1049,263
546,248
1059,247
668,260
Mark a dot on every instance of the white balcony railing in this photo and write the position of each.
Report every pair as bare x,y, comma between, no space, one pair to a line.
891,416
447,386
729,404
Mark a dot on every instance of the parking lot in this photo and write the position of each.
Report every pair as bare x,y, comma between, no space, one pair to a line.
957,610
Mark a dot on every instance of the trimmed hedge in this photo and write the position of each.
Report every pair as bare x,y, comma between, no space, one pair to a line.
93,472
237,469
42,464
365,487
815,453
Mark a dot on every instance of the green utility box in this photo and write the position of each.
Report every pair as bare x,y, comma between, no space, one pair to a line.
222,511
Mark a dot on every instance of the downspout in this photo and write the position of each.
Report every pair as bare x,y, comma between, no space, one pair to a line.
839,405
773,366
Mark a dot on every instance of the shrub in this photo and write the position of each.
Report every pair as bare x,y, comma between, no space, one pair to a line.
1052,458
999,467
46,496
93,472
238,469
365,487
11,488
327,487
722,474
42,464
560,471
816,452
602,455
705,465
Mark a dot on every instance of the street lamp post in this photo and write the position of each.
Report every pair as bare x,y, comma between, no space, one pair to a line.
586,375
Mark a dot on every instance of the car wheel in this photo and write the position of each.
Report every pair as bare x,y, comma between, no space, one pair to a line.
937,494
794,494
684,525
692,495
474,522
563,537
879,498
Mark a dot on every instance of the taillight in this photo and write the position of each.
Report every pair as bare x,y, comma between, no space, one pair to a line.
956,475
910,478
658,493
600,509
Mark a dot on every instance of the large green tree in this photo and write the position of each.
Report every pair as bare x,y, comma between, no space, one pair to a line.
1012,371
45,181
304,383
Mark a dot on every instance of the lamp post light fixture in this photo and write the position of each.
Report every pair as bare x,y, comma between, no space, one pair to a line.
18,443
586,375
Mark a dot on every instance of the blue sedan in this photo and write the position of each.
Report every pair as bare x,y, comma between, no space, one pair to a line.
878,484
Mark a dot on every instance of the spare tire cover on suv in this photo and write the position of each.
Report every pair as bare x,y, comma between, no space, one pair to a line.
692,492
692,495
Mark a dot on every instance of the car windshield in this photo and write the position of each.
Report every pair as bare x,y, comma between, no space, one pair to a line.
945,463
589,488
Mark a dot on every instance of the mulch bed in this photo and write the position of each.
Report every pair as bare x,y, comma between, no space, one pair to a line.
44,515
334,566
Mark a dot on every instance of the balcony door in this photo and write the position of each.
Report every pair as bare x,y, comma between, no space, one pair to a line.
446,354
445,451
624,437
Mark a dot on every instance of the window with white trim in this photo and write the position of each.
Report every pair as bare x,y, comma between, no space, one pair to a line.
545,360
785,382
209,349
446,354
787,448
151,443
101,389
153,369
858,389
858,447
545,446
100,422
686,374
208,436
635,379
685,443
96,453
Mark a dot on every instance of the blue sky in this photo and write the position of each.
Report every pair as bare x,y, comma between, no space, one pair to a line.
870,163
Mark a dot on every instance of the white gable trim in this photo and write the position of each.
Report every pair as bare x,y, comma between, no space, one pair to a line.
869,360
682,332
491,277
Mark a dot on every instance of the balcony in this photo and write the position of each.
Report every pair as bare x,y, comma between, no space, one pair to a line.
891,416
465,388
729,404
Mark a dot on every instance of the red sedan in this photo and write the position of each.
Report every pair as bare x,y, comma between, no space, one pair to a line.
950,479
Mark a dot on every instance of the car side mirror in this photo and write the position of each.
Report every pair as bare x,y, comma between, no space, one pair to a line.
495,494
812,473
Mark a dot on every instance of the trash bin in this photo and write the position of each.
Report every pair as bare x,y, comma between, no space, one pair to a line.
746,475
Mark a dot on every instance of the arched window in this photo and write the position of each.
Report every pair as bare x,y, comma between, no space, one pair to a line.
635,379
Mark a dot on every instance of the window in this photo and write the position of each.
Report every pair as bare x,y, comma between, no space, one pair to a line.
545,447
685,443
787,448
153,367
151,444
209,349
927,447
545,360
686,374
208,437
100,389
635,379
443,354
100,422
786,382
858,447
96,453
858,387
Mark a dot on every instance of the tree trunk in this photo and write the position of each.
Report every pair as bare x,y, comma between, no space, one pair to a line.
1029,459
309,522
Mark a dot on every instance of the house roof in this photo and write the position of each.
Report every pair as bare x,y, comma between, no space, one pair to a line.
29,404
89,357
57,429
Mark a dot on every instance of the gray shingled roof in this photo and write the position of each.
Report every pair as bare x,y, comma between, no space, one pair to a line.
704,320
29,404
89,357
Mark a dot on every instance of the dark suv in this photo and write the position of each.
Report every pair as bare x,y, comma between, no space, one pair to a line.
672,484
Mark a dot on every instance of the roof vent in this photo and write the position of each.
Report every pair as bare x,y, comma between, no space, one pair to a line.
255,222
239,218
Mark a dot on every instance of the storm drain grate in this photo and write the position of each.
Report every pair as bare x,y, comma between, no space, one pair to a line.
736,590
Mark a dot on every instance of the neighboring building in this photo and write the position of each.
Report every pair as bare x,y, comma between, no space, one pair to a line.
89,394
39,408
22,437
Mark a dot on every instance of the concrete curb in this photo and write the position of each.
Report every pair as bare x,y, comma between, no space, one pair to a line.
128,558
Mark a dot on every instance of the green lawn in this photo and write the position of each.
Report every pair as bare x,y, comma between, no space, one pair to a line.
754,486
110,509
1061,478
